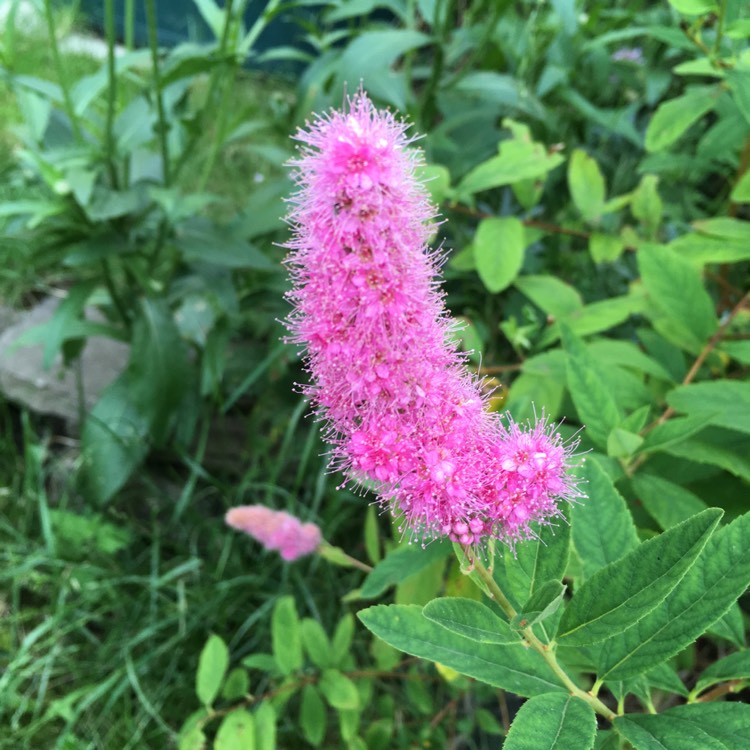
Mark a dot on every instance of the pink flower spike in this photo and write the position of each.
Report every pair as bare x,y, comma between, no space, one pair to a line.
276,530
400,409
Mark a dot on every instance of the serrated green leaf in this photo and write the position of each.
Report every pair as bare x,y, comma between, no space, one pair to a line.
674,117
709,726
542,604
511,667
667,503
470,619
313,716
731,626
340,692
724,403
710,587
736,666
596,407
603,529
586,183
616,597
400,564
236,731
535,563
212,666
498,251
716,447
552,722
676,289
286,636
674,431
265,727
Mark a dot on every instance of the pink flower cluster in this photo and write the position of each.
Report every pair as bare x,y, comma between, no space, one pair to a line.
276,530
400,408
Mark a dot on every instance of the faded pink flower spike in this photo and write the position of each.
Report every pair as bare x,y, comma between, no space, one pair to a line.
399,406
275,530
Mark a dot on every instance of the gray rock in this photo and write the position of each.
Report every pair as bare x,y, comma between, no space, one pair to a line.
24,380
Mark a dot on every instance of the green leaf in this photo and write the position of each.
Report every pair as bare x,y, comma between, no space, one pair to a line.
724,403
647,206
340,692
534,563
518,160
667,503
236,732
619,595
717,447
542,604
592,397
741,191
498,251
552,722
316,643
265,727
199,239
731,626
603,529
694,7
586,184
673,431
470,619
725,227
511,667
286,636
236,686
313,716
622,443
212,667
733,667
739,83
605,248
676,290
674,117
720,575
709,726
401,564
550,294
342,638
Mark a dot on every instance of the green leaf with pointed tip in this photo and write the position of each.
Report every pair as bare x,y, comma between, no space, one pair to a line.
212,666
470,619
708,726
618,596
512,667
543,603
286,636
534,563
665,501
498,251
603,529
736,666
718,577
313,716
724,403
589,390
674,431
674,117
622,443
339,690
401,564
552,722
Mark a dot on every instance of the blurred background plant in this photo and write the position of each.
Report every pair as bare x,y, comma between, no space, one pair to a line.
592,160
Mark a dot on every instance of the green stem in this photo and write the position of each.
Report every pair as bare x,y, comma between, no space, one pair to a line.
721,17
55,49
109,147
547,651
163,126
129,24
113,294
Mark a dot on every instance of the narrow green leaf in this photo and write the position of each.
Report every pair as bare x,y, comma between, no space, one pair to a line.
708,726
667,503
586,183
513,667
603,529
265,727
236,731
342,638
535,563
542,604
647,206
372,535
400,564
552,722
736,666
212,666
313,716
286,636
739,82
676,289
674,117
674,431
470,619
340,692
316,643
724,403
719,576
592,397
498,251
618,596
